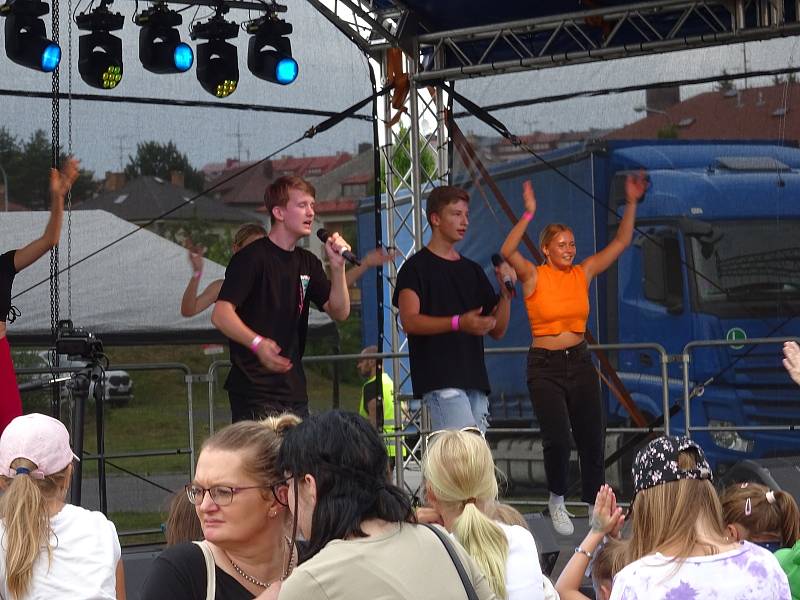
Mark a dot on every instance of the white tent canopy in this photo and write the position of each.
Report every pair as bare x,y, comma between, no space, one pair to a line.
129,292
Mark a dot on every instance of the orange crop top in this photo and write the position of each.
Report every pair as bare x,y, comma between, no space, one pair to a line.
560,301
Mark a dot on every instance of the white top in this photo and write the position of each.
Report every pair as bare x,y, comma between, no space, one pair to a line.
524,579
748,572
85,555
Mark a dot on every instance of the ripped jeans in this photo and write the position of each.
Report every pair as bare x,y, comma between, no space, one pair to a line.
454,408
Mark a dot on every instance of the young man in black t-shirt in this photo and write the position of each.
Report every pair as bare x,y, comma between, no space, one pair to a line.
264,301
446,307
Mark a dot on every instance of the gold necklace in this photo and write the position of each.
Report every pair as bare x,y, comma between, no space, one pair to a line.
289,568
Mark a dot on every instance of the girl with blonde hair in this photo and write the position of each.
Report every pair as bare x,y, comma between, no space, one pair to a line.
461,486
679,547
50,549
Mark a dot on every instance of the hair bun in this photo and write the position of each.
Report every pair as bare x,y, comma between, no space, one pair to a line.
282,423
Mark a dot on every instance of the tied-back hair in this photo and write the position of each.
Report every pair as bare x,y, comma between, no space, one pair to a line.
347,458
259,442
668,515
748,505
246,231
460,470
26,517
550,231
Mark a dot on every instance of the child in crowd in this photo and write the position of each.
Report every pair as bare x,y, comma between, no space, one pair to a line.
755,513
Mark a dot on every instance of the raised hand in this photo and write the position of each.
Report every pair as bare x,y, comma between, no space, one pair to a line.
635,186
607,517
791,361
196,253
377,256
529,197
61,181
332,246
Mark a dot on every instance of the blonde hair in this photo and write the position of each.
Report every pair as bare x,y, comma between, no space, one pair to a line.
259,441
25,514
247,231
780,518
506,514
550,231
182,523
459,469
667,515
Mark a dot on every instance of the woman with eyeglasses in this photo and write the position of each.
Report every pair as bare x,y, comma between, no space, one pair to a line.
240,496
460,486
363,541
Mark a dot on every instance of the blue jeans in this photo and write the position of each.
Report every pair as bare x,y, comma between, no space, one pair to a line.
454,408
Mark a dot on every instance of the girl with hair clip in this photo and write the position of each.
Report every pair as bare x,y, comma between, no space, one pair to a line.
755,513
363,541
562,381
14,261
240,497
606,521
50,549
679,547
460,486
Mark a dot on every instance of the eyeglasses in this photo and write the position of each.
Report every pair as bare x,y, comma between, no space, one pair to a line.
470,429
222,495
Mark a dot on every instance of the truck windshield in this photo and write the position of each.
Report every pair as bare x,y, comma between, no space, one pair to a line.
748,264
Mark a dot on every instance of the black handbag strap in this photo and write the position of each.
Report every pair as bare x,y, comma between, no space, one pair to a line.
468,587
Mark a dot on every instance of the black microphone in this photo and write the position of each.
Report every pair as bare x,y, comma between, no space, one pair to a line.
323,235
498,260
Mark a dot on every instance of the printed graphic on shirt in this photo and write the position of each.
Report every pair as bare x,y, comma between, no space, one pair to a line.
304,281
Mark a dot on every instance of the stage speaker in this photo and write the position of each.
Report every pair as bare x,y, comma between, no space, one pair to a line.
776,473
546,543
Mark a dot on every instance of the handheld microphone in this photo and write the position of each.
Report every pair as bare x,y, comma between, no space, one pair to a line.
498,260
323,236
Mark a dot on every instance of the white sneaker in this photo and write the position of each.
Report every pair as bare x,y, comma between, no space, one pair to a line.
561,519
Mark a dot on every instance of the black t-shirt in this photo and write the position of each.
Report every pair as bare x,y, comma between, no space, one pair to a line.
271,290
446,288
7,273
179,573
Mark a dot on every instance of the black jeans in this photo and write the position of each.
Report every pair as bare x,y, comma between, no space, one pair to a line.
245,408
565,393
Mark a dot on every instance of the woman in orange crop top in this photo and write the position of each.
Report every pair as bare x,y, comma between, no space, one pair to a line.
562,382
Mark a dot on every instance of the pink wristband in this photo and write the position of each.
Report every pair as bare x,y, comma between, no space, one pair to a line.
455,325
255,343
197,274
527,215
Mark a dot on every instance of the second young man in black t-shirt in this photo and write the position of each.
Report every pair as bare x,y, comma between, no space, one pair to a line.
446,306
264,302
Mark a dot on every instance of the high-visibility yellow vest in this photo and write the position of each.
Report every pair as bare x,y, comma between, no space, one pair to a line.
388,408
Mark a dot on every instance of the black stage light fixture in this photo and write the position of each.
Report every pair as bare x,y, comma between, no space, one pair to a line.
160,47
26,39
217,60
99,52
269,53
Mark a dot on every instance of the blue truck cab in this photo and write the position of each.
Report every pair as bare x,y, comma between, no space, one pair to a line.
715,255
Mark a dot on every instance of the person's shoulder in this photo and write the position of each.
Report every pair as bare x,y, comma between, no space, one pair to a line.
307,255
185,553
420,257
517,535
91,518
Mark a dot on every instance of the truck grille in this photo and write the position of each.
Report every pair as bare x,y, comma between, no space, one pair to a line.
769,396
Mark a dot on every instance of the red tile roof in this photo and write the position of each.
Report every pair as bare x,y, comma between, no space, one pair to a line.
753,113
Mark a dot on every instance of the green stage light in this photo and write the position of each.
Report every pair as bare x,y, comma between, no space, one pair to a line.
217,60
99,52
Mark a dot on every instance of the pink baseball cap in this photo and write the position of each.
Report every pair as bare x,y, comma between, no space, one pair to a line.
41,439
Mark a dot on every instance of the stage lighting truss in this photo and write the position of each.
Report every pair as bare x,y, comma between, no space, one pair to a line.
217,60
160,47
269,53
99,52
26,40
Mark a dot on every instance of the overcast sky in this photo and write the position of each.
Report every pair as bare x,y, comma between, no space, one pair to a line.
333,75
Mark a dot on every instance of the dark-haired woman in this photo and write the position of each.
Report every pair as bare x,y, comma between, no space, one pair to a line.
562,381
363,542
11,263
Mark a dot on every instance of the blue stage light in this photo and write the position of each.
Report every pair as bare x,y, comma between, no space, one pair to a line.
183,57
286,71
51,56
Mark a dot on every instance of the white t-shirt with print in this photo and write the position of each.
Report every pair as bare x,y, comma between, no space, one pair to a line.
84,560
748,572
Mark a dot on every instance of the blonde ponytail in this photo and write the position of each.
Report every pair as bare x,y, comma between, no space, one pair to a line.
460,471
486,543
25,514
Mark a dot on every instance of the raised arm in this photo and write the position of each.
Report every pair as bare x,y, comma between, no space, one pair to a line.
373,258
635,187
525,270
60,183
193,303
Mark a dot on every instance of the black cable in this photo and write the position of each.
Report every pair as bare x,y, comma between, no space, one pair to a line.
182,103
310,133
630,88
